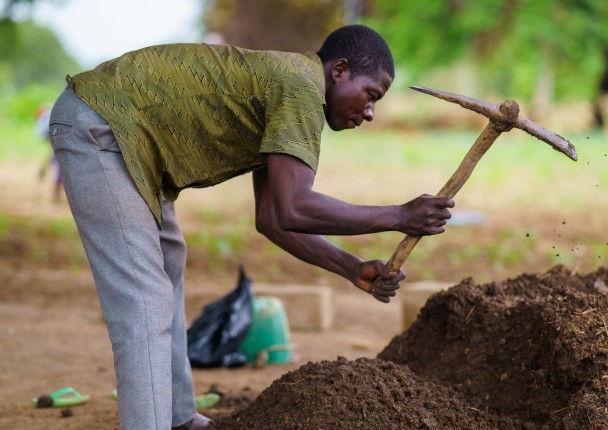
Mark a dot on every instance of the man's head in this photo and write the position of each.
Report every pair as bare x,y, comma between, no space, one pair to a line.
359,70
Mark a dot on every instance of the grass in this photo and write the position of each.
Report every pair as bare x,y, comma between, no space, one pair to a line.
539,207
20,142
517,163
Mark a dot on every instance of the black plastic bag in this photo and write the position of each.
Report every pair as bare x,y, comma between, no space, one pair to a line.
216,335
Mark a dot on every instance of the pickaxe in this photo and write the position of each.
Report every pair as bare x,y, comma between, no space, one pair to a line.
502,119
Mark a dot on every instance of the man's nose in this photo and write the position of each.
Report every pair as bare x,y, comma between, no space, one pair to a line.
368,113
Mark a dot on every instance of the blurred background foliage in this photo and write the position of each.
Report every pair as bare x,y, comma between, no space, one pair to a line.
549,55
537,51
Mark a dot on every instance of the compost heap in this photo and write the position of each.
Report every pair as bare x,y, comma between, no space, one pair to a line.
527,353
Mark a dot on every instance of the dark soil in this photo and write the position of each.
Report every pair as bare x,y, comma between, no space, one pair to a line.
527,353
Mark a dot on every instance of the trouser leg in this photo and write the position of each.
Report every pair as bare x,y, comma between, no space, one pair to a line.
174,252
123,245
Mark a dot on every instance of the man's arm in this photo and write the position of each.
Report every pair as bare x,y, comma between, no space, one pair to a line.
315,249
293,216
300,209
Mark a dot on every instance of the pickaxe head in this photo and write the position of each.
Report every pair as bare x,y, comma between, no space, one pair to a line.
499,116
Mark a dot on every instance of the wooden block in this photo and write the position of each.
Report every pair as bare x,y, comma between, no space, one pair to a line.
414,297
308,307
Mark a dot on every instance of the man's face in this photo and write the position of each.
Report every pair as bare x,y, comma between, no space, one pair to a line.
352,101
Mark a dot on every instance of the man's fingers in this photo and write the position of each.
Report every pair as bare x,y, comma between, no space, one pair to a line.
382,299
386,285
386,276
381,286
444,202
450,203
383,292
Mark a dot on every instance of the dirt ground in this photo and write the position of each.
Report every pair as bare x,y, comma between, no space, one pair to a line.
525,353
528,353
53,336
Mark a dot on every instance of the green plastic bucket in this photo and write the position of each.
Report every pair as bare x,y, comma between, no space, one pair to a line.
267,340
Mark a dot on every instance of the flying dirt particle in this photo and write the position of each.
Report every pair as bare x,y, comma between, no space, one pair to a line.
527,234
564,222
66,413
557,255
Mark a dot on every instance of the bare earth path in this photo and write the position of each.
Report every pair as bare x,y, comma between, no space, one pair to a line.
52,334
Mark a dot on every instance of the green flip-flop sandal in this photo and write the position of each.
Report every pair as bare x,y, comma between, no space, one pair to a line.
63,398
203,401
206,401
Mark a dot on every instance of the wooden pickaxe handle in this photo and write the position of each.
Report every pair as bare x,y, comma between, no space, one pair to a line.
510,111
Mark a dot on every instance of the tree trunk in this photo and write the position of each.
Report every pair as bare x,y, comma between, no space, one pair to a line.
600,106
543,96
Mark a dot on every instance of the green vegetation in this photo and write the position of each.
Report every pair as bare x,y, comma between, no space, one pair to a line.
512,47
539,209
18,136
219,239
533,199
33,65
31,54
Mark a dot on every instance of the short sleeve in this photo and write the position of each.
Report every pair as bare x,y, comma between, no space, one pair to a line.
294,118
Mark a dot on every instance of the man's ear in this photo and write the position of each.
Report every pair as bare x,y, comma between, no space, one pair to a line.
339,69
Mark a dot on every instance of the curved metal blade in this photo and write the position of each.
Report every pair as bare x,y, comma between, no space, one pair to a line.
492,112
555,140
488,110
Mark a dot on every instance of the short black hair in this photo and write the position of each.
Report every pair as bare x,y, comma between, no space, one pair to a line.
366,51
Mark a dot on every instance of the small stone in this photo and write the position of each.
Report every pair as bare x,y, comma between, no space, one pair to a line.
44,401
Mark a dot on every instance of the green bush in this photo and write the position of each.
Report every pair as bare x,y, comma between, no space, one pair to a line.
21,106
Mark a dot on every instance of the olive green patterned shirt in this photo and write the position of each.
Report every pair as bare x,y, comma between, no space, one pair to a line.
194,115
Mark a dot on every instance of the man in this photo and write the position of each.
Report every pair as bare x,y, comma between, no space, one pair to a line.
136,130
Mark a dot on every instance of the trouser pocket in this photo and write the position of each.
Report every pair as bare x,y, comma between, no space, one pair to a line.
103,138
59,127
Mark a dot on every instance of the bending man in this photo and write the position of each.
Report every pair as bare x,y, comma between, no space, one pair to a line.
135,131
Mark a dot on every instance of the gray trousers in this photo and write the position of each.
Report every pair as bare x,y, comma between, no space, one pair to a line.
138,269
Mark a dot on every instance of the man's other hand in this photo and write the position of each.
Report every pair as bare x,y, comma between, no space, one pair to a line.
375,278
426,215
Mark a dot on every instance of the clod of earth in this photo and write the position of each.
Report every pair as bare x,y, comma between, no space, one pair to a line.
527,353
44,401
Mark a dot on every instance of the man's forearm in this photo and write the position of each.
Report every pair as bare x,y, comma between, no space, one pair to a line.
322,214
287,186
316,250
